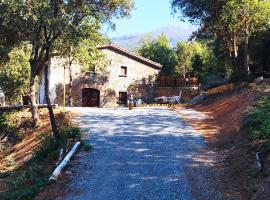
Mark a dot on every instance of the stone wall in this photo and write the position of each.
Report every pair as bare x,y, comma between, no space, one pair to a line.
186,95
139,81
57,80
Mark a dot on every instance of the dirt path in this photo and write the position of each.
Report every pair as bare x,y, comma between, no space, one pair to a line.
141,154
219,119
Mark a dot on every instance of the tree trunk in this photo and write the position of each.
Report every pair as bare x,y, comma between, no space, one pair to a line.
64,88
34,107
34,64
49,105
70,85
235,56
246,56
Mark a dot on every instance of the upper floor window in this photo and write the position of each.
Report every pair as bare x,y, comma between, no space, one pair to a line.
123,71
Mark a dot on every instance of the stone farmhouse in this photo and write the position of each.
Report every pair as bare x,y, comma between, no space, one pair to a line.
125,74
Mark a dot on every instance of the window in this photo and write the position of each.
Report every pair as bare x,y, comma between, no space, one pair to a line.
123,71
123,97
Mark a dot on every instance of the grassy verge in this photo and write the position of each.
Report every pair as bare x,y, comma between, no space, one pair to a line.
257,121
257,124
26,180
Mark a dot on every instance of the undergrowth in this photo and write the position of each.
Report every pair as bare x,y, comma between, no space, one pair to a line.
257,121
27,181
8,126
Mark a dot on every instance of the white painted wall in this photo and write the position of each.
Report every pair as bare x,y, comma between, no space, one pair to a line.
56,77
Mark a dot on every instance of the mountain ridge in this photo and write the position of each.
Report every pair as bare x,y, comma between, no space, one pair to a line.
173,33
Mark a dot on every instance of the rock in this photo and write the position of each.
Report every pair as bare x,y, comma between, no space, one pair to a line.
198,99
259,79
69,173
252,86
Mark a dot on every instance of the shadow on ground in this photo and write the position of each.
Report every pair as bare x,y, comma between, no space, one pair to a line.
141,154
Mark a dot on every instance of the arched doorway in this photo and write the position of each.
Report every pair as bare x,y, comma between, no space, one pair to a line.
90,97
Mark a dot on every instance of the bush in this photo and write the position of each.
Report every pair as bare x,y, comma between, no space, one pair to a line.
257,121
13,125
87,147
71,132
8,125
26,182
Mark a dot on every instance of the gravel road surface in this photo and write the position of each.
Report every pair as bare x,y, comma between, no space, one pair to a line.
143,154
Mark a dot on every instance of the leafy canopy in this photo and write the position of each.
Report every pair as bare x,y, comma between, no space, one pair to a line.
80,47
43,23
232,22
14,73
160,51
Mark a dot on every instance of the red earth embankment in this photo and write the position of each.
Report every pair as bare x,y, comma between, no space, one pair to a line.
222,129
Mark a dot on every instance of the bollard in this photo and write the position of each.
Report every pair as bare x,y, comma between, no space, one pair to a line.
130,105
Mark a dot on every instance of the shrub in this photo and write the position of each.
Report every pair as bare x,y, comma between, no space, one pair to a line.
257,121
8,125
26,182
12,124
71,132
87,147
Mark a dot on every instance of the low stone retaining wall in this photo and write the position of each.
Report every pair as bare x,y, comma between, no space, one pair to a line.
163,106
221,89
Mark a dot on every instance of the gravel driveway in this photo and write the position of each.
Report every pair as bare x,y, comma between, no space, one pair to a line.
142,154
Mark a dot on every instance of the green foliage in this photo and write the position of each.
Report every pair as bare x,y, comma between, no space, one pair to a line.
160,51
48,150
26,182
260,51
11,31
231,21
14,73
71,132
198,59
81,47
50,147
45,23
10,126
87,146
257,121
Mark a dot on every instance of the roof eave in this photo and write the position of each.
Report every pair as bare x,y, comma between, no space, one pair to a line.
134,56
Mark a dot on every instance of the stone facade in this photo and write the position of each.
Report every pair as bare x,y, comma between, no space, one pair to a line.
126,73
57,77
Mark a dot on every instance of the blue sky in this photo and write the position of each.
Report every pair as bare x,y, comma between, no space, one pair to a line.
148,15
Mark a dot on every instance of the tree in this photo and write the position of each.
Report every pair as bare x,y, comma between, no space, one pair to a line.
242,19
231,21
11,31
198,58
14,73
260,51
75,47
186,52
160,51
43,24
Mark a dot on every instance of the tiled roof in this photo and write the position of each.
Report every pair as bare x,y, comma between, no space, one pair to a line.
131,55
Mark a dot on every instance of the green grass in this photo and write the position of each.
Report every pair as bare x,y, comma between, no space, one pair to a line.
26,182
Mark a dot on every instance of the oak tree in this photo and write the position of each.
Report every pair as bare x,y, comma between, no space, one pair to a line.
43,22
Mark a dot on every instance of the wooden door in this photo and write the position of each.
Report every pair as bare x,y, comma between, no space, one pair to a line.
90,97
